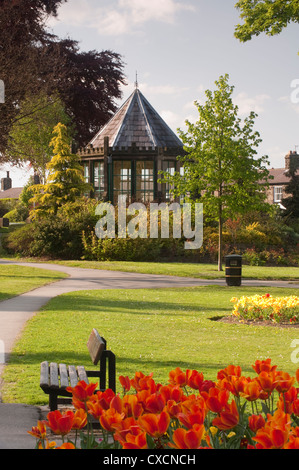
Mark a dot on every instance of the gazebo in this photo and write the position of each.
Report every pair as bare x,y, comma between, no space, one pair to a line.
127,154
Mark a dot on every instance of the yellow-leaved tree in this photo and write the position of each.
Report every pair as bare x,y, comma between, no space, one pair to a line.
65,181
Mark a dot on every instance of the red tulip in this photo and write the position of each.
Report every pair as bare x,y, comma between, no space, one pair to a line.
60,424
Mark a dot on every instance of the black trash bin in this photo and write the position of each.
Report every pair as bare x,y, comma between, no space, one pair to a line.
233,270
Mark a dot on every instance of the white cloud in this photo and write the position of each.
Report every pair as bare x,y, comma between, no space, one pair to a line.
247,104
121,16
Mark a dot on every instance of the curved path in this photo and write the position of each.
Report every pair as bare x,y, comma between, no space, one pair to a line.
15,420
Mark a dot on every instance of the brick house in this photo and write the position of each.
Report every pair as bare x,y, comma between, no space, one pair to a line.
281,178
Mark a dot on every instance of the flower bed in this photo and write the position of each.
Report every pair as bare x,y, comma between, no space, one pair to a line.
188,413
267,308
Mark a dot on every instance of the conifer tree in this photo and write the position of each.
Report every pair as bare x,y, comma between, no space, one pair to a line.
65,181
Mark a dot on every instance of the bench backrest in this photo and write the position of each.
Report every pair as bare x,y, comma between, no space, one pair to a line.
96,345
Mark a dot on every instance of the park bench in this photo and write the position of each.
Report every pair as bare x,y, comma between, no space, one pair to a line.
55,378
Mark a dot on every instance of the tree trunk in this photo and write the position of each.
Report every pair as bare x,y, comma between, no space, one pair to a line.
220,226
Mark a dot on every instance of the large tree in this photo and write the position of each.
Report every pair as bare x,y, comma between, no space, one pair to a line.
33,61
27,62
221,168
30,137
265,16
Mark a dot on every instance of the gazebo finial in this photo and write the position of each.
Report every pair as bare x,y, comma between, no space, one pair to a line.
136,82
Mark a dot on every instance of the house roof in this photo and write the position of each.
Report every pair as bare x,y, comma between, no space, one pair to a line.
12,193
137,122
280,176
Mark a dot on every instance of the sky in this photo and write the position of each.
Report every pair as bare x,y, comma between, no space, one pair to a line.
179,48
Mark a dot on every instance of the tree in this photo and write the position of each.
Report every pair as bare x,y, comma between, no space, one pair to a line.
291,202
30,137
28,59
89,87
33,61
65,182
265,16
220,166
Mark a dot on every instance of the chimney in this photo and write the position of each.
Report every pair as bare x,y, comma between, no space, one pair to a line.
6,183
292,161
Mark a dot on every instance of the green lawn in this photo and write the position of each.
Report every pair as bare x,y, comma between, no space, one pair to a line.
149,331
194,270
15,280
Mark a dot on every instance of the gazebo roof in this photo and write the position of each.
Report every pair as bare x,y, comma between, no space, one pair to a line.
137,122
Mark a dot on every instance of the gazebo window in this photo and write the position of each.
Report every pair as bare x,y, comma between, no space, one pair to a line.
122,180
98,179
169,167
86,172
145,187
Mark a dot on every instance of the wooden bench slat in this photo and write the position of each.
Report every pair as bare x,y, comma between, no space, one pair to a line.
54,380
73,376
44,374
64,379
82,374
96,345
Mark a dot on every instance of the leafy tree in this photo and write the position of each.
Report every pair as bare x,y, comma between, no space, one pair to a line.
291,202
65,182
33,61
29,139
28,62
89,87
265,16
220,166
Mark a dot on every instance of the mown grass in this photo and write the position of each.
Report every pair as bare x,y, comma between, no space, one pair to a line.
151,330
194,270
15,280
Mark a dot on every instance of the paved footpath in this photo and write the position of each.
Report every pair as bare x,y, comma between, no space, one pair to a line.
16,420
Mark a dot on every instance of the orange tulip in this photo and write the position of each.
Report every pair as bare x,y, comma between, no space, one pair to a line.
103,398
83,391
110,419
80,420
283,382
144,382
94,408
194,379
252,391
60,424
169,392
267,381
231,370
131,406
297,376
39,431
155,425
193,412
135,440
126,426
227,419
275,433
263,366
216,399
178,377
66,445
125,383
256,422
154,403
173,408
188,439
